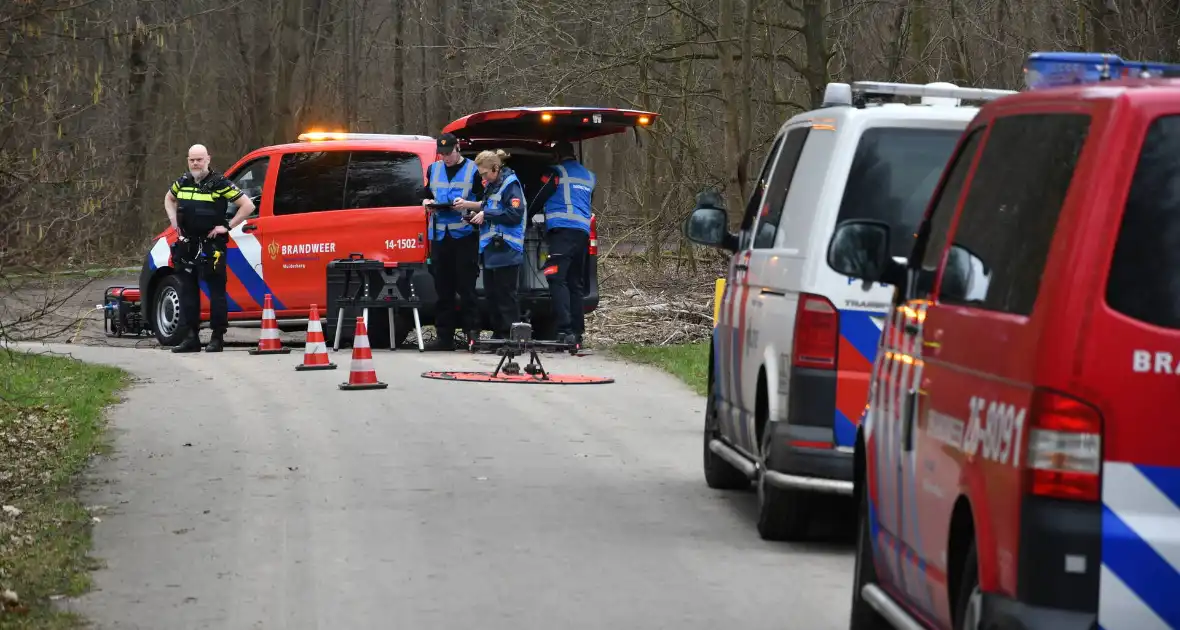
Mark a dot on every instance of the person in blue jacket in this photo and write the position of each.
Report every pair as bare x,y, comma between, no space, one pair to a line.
501,220
454,242
565,198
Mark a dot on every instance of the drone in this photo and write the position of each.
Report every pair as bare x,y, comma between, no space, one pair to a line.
520,340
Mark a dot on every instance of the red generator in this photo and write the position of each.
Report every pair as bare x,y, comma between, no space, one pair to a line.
122,311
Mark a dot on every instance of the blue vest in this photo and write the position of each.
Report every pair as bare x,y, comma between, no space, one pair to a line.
569,206
512,234
446,191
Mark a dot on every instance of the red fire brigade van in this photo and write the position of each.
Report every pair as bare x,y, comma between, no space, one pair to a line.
334,194
1018,466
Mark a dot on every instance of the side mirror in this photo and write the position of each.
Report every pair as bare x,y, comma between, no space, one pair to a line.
966,277
709,223
860,249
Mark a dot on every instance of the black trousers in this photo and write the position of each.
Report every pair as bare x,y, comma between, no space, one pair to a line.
456,266
500,288
211,270
565,270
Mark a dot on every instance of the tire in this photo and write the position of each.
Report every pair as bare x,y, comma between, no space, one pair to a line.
782,514
166,311
864,616
968,602
719,474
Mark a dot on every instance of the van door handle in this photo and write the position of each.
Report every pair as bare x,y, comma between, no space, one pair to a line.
774,292
910,409
249,227
742,267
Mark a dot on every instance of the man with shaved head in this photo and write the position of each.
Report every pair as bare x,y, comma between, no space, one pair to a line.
196,205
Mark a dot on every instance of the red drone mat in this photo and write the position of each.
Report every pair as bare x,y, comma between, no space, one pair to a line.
553,379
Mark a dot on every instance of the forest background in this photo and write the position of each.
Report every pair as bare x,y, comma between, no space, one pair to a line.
99,99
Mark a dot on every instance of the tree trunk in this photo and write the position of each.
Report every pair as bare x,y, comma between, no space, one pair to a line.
745,98
919,41
1104,26
956,47
401,116
290,49
734,186
137,103
815,40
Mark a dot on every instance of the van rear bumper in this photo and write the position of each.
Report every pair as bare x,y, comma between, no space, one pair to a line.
802,449
1004,613
1059,560
802,463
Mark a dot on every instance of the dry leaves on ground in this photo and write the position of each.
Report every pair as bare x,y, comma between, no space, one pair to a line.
31,440
641,305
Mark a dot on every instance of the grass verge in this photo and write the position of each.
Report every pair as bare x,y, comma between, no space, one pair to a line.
51,421
689,362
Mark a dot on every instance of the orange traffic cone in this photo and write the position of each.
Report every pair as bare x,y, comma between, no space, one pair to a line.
268,341
362,375
315,353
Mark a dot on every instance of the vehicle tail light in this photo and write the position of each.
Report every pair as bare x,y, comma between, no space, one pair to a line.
817,332
1064,448
593,235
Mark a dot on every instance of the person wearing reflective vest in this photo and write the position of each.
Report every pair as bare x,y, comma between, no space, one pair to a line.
454,243
500,217
565,197
196,204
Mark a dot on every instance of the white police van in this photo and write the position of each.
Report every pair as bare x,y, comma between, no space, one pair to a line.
794,342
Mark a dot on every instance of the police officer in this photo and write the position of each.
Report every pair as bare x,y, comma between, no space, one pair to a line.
454,243
500,217
196,205
565,197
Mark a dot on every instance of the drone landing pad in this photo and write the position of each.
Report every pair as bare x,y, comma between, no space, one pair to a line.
487,377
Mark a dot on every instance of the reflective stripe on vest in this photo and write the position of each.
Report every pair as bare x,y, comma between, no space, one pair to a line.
446,191
513,234
569,207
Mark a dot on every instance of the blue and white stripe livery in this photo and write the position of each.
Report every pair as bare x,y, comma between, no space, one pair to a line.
1140,582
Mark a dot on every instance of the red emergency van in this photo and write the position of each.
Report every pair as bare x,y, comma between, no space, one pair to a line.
316,200
1018,466
330,195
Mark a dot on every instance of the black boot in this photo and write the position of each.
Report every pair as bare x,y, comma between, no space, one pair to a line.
472,340
191,343
216,344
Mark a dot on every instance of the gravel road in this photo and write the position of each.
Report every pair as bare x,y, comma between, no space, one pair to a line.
244,494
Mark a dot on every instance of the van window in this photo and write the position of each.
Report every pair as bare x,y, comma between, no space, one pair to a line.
251,179
934,243
311,181
780,182
1143,282
755,200
383,179
894,172
1008,219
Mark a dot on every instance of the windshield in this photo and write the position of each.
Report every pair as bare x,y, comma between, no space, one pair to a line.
893,174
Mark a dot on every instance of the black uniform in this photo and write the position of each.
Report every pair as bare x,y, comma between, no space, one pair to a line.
197,257
455,267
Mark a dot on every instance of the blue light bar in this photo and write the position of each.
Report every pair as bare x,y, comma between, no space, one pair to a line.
1054,69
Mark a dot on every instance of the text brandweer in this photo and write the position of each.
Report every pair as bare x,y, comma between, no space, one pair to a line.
309,248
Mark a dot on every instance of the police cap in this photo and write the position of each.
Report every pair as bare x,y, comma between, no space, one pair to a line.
447,143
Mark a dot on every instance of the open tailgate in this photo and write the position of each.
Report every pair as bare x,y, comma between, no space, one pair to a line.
549,123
